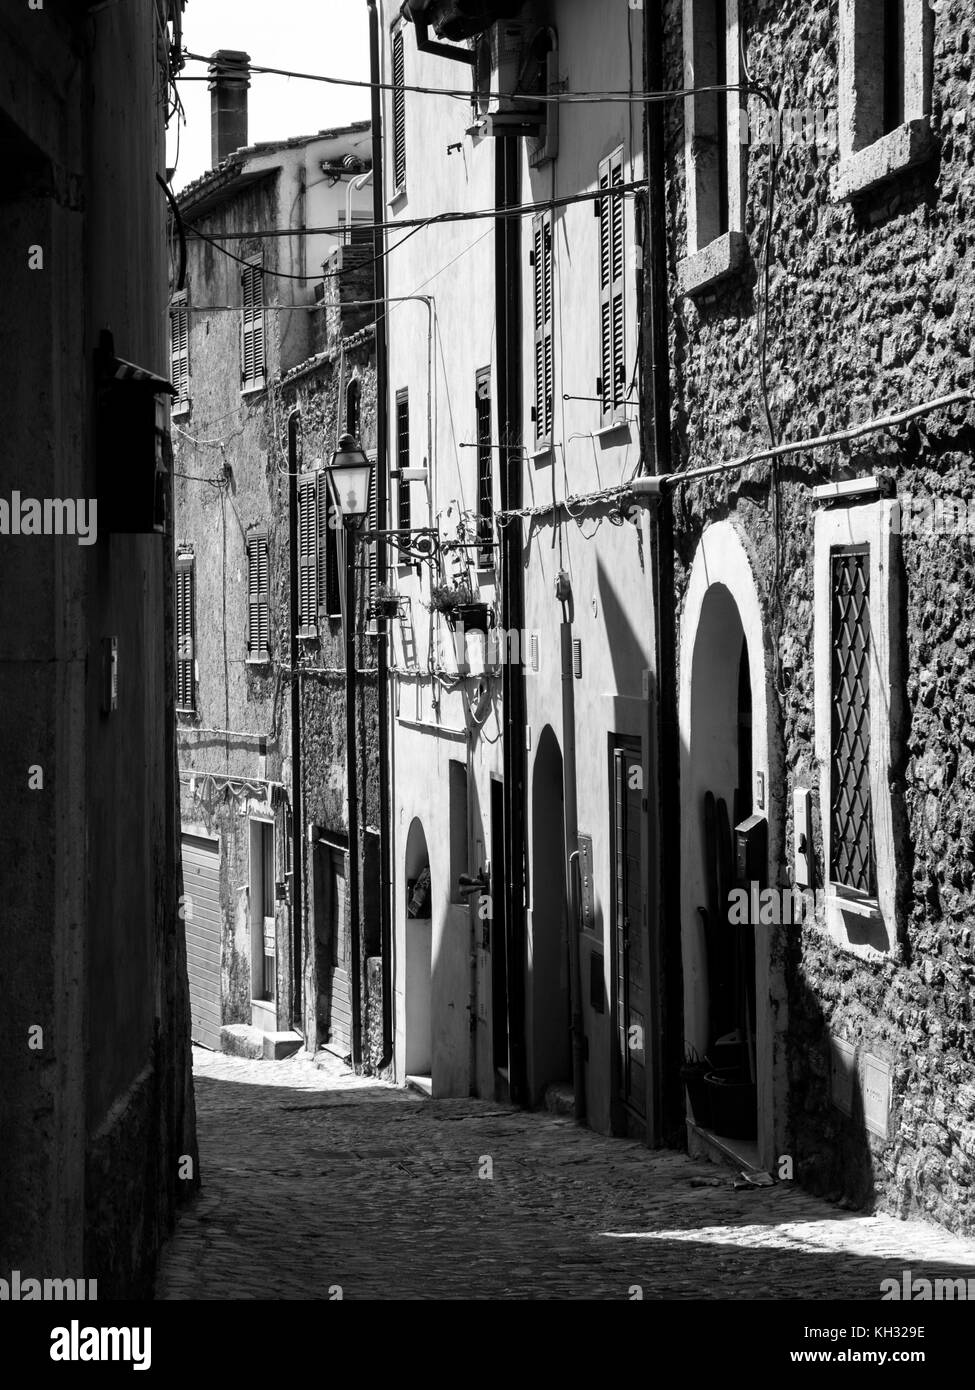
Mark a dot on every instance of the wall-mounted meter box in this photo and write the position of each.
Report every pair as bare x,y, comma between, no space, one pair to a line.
751,851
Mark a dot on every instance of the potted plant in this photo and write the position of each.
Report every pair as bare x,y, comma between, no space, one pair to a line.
457,603
387,602
692,1074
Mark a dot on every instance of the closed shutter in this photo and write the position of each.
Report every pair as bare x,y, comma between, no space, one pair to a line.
611,386
544,293
258,615
203,919
179,348
329,599
308,555
372,546
404,518
399,110
252,325
185,655
485,468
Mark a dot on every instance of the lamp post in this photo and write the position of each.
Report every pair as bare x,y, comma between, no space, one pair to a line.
349,475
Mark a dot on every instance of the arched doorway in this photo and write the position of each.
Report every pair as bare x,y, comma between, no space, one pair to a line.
724,699
419,954
551,1047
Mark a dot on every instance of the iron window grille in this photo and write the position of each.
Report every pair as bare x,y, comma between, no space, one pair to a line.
404,508
485,469
852,862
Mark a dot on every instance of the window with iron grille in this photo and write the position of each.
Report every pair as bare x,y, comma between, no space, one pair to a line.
258,598
179,349
372,548
485,469
611,385
404,513
252,324
329,594
185,631
851,828
543,296
308,487
399,110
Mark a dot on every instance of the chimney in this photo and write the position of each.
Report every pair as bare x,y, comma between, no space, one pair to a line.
229,81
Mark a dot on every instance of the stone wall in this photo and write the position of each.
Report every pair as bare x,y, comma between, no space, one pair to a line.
869,308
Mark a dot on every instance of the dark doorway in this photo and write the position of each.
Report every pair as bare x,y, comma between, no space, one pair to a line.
551,1040
499,944
629,955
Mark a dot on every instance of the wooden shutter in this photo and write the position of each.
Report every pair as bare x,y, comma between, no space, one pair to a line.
611,386
308,555
543,281
399,110
258,594
372,547
329,598
252,325
179,348
485,468
185,655
404,517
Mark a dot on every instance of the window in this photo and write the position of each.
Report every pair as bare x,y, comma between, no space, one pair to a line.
851,823
308,566
712,145
544,293
611,385
258,593
185,629
329,596
353,401
884,90
457,811
372,547
252,325
404,515
857,717
179,350
485,469
399,111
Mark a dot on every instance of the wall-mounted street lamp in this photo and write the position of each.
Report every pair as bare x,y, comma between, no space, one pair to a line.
349,476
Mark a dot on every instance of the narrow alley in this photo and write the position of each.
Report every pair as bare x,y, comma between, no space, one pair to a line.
319,1184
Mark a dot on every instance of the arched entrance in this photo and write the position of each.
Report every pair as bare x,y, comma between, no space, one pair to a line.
724,701
419,954
551,1048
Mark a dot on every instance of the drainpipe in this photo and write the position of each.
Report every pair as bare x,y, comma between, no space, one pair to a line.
563,592
508,317
666,963
382,474
297,838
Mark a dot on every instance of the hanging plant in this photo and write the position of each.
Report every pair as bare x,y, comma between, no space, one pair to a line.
457,603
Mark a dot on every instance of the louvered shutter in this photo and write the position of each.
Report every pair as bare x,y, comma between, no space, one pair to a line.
308,555
485,467
179,351
185,655
258,606
611,386
403,513
544,293
252,325
399,110
372,547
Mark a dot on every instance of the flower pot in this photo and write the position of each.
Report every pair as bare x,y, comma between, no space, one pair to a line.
693,1075
734,1104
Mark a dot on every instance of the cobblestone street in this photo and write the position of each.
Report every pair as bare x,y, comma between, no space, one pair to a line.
314,1178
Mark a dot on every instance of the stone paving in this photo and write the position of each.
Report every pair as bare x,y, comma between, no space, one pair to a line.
317,1181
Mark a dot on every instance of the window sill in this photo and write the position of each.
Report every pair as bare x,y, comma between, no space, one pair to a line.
257,660
544,454
712,264
614,427
253,388
857,926
179,410
398,201
910,144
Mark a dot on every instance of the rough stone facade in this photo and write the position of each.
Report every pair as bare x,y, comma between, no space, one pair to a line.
869,310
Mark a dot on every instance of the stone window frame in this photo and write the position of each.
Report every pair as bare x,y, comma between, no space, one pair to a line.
709,261
867,156
866,927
